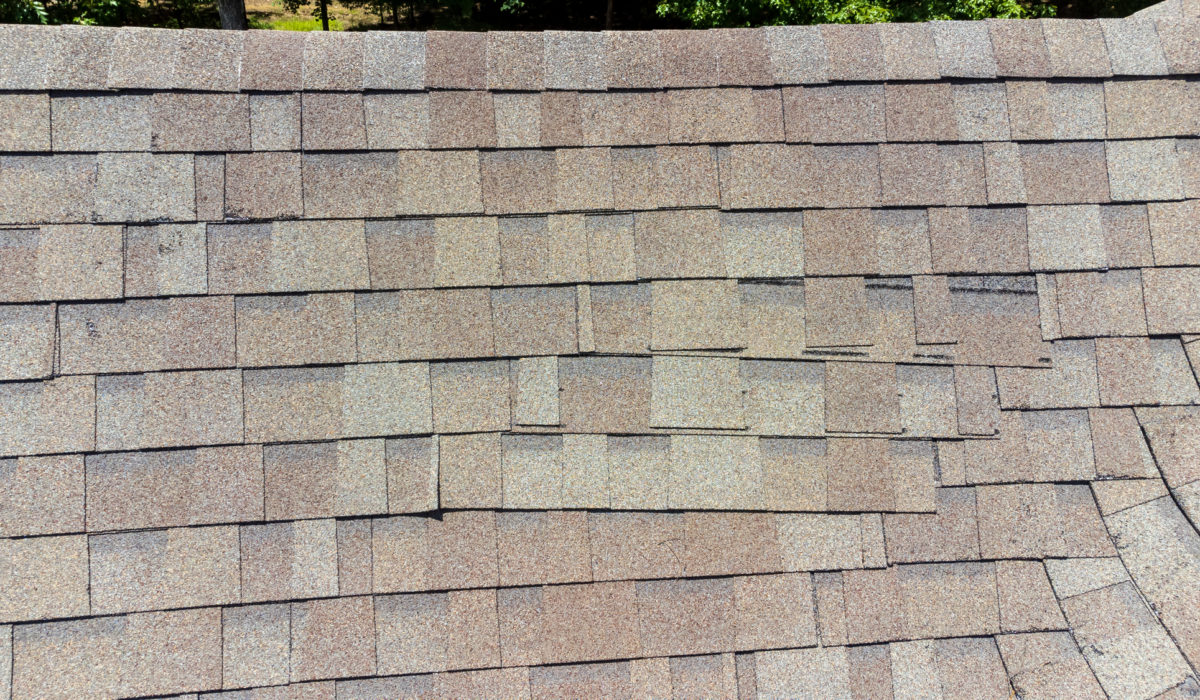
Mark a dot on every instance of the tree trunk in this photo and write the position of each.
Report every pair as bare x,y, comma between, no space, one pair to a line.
608,15
324,15
233,13
396,14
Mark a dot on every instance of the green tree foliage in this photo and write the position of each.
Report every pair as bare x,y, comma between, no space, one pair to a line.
152,13
755,13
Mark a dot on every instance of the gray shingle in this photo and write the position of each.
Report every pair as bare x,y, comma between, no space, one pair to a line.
964,50
333,61
143,58
1142,170
78,58
393,61
854,52
1076,48
909,51
797,54
272,60
26,122
209,59
145,187
575,61
1133,47
1020,48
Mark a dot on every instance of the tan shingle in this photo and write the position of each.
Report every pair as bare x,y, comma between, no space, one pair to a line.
469,471
536,548
695,315
165,409
1070,382
978,400
1173,232
295,330
635,545
981,112
1055,521
1026,601
1076,48
439,182
543,250
1171,299
803,672
1120,449
210,187
819,541
535,401
470,396
142,335
438,631
1050,111
333,638
797,54
861,397
1020,48
582,179
763,244
705,539
358,184
1144,371
942,175
180,567
272,62
144,187
514,61
27,341
678,244
461,119
836,312
696,392
715,472
1150,108
50,189
424,324
686,616
135,490
101,123
561,120
921,112
396,119
41,495
532,471
784,398
156,652
909,51
322,480
535,321
945,600
287,256
855,52
794,474
412,474
834,114
199,122
642,118
44,578
352,401
874,608
274,122
964,50
950,534
263,185
256,649
1140,170
518,182
1064,173
1047,664
166,259
56,415
289,560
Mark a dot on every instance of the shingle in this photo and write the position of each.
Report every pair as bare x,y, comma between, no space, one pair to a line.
803,672
210,187
322,480
1047,664
759,244
950,534
145,187
797,54
78,59
1065,238
397,120
1056,521
543,250
861,397
1026,601
678,244
514,61
288,560
1150,108
1121,450
1072,577
208,60
981,112
295,330
263,185
35,189
794,474
1055,111
539,548
945,175
695,392
412,474
469,471
351,401
333,121
909,51
342,184
1133,47
536,398
574,60
455,60
518,119
1020,49
439,182
695,314
165,259
1179,44
967,665
927,401
180,567
509,178
333,61
582,179
1005,178
160,410
393,61
705,554
742,57
774,611
26,341
41,495
713,115
1069,383
1064,173
133,490
272,61
1099,304
944,600
715,472
964,50
854,52
256,650
978,402
620,318
274,122
1144,371
471,396
101,123
1116,495
611,247
783,398
461,119
399,554
424,324
561,121
1141,170
26,122
535,321
1173,232
921,112
836,312
834,114
689,58
333,638
633,59
147,335
1126,235
157,652
56,415
704,676
588,621
287,257
143,58
604,394
1171,295
1076,48
44,577
686,616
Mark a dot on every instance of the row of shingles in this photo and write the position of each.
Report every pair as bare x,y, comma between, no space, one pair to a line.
132,187
1020,111
1132,302
206,60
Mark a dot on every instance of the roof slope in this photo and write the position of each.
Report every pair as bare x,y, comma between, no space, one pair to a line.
851,361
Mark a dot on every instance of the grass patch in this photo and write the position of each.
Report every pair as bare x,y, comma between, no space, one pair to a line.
294,24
